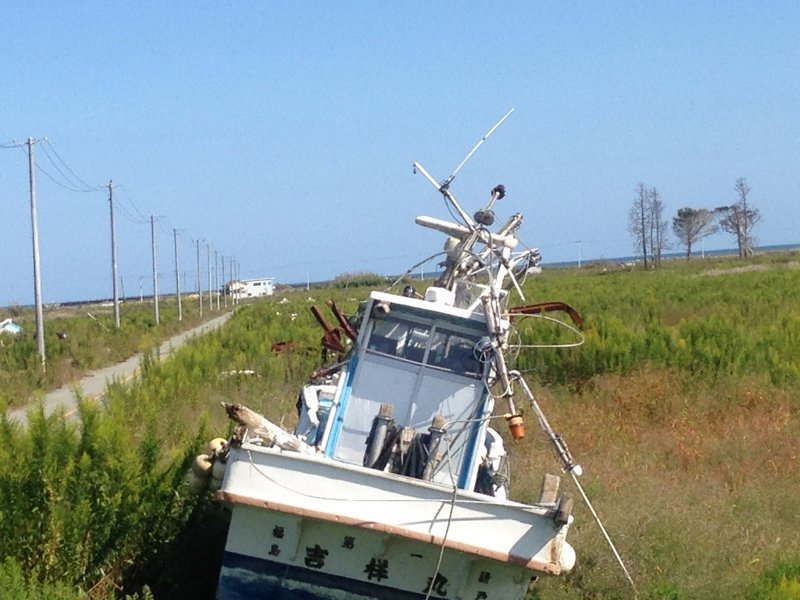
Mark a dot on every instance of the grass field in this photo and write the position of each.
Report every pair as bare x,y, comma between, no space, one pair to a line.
82,338
682,406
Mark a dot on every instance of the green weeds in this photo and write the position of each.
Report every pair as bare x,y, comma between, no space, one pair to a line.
78,340
683,408
710,324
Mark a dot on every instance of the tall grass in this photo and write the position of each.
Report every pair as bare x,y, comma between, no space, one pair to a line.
683,408
711,325
80,339
101,502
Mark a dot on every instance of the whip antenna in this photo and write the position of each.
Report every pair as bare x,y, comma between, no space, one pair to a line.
449,180
445,185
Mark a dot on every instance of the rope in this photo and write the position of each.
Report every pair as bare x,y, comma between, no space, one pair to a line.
449,521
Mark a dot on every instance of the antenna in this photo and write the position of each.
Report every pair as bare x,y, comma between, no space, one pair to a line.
449,180
445,185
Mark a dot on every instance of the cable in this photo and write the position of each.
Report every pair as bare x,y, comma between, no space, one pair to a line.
56,181
413,267
580,335
164,230
132,203
131,217
82,184
449,521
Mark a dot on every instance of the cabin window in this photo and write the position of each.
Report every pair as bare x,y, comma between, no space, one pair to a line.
445,349
455,352
399,338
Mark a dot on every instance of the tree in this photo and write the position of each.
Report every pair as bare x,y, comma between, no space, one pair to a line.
646,224
692,225
658,226
638,221
739,219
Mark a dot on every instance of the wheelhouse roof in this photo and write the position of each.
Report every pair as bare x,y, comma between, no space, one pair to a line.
438,309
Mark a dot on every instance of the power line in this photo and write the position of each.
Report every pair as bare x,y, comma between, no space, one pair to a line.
54,180
131,217
72,178
133,205
70,185
164,230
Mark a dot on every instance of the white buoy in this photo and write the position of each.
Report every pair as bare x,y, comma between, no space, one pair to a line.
202,465
217,446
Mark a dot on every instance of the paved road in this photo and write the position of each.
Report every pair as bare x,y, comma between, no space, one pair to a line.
93,385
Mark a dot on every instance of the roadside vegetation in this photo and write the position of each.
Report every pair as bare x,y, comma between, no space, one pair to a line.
682,407
79,339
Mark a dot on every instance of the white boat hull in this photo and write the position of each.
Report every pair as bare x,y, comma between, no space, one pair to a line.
308,527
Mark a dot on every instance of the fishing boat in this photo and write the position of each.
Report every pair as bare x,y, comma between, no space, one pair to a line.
394,483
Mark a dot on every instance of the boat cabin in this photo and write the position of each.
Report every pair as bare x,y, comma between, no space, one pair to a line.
413,399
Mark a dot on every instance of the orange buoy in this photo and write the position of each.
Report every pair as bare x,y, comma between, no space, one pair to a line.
516,426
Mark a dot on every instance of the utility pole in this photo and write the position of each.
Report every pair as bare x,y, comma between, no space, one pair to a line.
208,268
234,285
37,277
114,273
177,275
199,288
155,267
239,277
224,284
216,276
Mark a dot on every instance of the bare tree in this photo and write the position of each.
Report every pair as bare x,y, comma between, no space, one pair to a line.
639,221
658,226
739,219
692,225
647,225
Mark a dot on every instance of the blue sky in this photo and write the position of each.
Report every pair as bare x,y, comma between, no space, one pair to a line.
283,133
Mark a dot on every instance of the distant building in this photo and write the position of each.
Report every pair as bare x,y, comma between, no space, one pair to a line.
250,288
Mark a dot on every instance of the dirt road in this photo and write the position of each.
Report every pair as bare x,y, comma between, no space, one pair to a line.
93,386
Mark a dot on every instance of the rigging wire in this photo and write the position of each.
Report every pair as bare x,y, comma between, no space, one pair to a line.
412,268
456,217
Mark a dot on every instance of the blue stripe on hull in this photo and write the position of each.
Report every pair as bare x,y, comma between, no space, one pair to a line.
247,578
